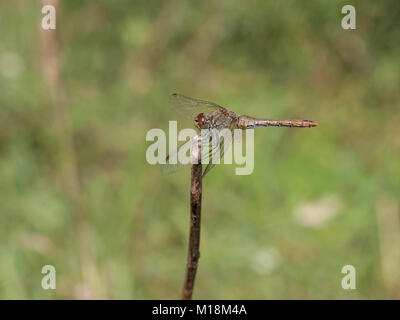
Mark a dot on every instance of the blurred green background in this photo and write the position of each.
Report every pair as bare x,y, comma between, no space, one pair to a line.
76,191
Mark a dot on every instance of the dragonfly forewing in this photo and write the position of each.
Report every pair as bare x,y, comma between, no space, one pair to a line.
190,107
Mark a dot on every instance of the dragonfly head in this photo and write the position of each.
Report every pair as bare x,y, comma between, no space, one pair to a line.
200,120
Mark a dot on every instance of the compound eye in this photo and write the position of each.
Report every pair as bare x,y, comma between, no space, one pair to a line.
200,118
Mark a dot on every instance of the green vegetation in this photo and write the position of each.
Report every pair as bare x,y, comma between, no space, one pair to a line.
318,199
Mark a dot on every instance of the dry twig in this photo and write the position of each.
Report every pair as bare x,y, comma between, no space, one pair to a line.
195,215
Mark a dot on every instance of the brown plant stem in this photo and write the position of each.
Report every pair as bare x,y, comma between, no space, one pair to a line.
69,170
195,215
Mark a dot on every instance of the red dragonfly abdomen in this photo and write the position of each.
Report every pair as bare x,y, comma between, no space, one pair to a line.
246,122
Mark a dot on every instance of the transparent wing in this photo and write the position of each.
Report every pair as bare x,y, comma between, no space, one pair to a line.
190,107
169,168
217,151
212,151
172,164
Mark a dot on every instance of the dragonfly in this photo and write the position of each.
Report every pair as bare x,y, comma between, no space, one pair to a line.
210,118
